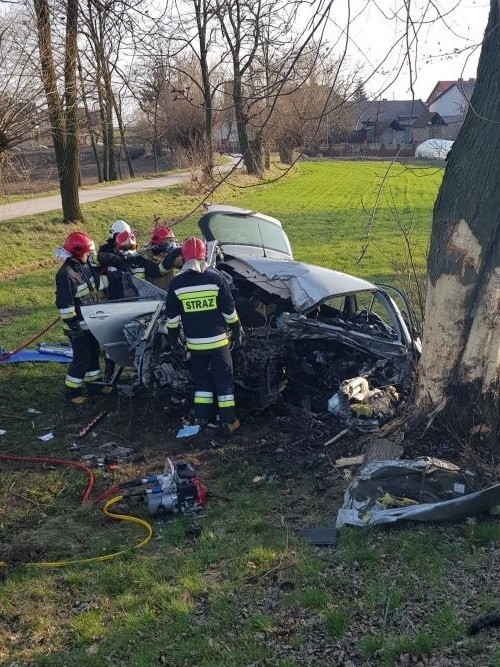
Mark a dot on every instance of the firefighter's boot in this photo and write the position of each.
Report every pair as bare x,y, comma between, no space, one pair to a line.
229,428
74,396
96,388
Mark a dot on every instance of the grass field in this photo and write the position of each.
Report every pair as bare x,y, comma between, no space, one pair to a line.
248,591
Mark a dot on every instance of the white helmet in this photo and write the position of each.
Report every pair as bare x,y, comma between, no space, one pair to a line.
119,226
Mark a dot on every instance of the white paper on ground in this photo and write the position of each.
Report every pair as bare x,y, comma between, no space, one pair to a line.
46,437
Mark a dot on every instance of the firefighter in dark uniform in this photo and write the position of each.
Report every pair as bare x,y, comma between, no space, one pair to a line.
77,284
200,298
161,243
116,227
134,264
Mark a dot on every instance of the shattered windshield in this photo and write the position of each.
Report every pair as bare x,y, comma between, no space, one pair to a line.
249,231
364,309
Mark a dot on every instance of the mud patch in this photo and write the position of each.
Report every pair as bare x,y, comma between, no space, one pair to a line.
8,314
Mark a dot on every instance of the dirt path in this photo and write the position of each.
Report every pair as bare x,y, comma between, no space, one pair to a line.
53,202
37,205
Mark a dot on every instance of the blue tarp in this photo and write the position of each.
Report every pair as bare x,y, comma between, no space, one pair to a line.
35,355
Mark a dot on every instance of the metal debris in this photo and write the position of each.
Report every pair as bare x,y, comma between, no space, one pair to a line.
85,429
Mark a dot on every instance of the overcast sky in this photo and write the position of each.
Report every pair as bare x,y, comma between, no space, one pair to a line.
377,32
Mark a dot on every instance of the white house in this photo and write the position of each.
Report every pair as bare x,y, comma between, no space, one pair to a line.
450,99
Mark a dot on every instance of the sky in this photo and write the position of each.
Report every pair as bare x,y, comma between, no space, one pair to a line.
445,49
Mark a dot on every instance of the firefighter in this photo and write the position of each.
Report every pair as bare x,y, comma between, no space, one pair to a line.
200,298
77,284
116,227
136,264
161,243
129,263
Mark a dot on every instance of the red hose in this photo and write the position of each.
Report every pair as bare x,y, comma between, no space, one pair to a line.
4,357
71,464
106,493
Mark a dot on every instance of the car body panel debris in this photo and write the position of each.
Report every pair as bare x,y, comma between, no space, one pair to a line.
424,489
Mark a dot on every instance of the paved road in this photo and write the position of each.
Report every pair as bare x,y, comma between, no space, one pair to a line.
53,202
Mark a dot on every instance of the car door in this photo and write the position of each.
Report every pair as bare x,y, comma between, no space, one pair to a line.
107,319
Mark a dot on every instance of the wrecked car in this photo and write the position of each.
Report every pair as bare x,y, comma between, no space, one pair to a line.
308,328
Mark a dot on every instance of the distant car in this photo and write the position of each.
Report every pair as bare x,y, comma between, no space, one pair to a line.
434,149
307,327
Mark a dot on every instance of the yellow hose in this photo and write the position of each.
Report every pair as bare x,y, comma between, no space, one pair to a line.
94,559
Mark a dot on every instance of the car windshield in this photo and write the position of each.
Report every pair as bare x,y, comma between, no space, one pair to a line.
250,231
368,307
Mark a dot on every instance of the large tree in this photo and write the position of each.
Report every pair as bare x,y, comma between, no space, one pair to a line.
63,112
459,375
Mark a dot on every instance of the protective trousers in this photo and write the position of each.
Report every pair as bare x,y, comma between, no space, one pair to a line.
213,369
85,365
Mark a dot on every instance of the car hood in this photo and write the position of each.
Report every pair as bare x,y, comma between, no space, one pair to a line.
305,284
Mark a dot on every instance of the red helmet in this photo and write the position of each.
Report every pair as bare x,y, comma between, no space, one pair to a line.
161,234
125,241
78,244
193,248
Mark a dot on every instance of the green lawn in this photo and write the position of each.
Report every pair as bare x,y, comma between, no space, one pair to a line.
248,591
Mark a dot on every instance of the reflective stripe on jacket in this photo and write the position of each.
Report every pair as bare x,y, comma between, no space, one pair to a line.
204,304
77,284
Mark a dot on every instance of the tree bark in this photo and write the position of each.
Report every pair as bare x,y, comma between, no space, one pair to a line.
63,116
459,373
123,138
104,127
71,176
90,127
202,14
109,122
246,148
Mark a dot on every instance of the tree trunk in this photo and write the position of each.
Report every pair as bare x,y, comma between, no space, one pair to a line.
104,127
267,157
90,127
121,128
109,123
246,148
202,16
69,193
63,118
285,150
459,374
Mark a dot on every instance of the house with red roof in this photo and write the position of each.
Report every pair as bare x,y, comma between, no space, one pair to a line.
450,99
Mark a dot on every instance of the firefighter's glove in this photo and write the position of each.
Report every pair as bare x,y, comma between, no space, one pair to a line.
105,259
173,337
173,252
158,249
128,258
119,262
237,337
75,332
